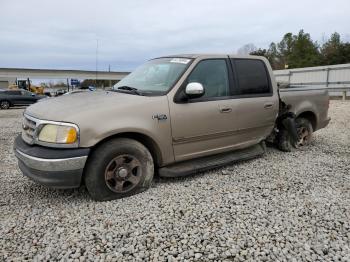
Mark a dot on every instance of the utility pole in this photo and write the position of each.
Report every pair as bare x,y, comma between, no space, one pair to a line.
96,61
110,81
28,84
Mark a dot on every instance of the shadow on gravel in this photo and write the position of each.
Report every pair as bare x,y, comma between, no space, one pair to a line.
37,193
34,193
199,175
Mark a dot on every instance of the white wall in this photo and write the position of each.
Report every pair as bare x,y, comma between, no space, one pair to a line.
334,76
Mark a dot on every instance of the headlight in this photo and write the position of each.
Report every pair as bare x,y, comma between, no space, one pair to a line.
58,134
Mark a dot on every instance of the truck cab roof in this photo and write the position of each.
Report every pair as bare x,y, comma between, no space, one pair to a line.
212,55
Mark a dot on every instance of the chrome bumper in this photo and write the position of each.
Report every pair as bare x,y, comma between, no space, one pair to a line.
54,165
56,168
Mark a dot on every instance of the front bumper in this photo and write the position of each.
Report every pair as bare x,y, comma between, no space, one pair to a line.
58,168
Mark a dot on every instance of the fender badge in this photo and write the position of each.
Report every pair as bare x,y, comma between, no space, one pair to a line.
160,117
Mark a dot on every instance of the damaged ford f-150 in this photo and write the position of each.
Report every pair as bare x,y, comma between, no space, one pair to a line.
172,116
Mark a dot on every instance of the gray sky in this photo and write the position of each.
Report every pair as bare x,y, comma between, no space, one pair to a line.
62,34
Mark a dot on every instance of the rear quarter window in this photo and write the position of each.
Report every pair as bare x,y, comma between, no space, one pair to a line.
252,77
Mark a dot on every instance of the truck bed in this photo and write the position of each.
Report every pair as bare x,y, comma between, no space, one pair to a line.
308,102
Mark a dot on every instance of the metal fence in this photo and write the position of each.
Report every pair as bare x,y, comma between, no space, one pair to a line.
334,78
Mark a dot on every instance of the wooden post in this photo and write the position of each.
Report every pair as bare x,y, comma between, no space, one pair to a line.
344,95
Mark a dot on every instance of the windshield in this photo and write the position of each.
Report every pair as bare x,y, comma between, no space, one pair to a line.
155,76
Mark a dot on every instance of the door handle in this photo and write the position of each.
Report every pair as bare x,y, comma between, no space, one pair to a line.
268,105
225,110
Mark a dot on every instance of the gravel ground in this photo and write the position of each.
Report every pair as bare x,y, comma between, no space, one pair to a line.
282,206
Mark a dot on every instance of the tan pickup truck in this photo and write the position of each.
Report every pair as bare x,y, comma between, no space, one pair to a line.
172,116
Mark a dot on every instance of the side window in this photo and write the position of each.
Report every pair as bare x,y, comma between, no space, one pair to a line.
26,93
213,75
13,93
252,76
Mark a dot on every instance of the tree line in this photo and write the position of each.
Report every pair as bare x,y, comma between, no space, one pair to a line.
295,51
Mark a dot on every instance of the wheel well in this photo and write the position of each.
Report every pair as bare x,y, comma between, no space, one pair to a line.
311,117
148,142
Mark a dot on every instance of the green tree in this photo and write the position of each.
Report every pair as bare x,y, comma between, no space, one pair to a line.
284,50
345,53
304,52
334,51
294,51
269,54
259,52
272,55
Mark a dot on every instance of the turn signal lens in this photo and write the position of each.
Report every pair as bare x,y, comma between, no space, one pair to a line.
71,136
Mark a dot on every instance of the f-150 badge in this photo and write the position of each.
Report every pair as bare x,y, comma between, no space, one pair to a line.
160,117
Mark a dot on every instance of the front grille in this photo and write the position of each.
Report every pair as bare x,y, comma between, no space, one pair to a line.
28,129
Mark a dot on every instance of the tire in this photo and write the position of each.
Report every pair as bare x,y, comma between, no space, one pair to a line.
118,168
4,104
304,130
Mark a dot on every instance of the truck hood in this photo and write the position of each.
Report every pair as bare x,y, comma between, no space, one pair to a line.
71,108
102,114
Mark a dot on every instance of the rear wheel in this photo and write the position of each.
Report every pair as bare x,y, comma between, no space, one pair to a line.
304,130
4,104
118,168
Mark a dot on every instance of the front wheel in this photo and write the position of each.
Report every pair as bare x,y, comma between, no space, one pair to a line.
118,168
4,104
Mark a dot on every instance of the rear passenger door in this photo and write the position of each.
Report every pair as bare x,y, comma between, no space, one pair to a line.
257,105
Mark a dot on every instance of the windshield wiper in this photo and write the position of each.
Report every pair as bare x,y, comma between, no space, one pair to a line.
130,89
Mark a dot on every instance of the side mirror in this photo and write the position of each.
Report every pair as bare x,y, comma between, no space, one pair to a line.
194,90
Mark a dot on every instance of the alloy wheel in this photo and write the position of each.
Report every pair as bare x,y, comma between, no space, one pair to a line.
123,173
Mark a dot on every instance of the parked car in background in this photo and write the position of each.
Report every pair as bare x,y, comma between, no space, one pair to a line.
60,92
9,98
77,91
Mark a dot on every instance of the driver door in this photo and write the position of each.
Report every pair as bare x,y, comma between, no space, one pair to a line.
205,125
